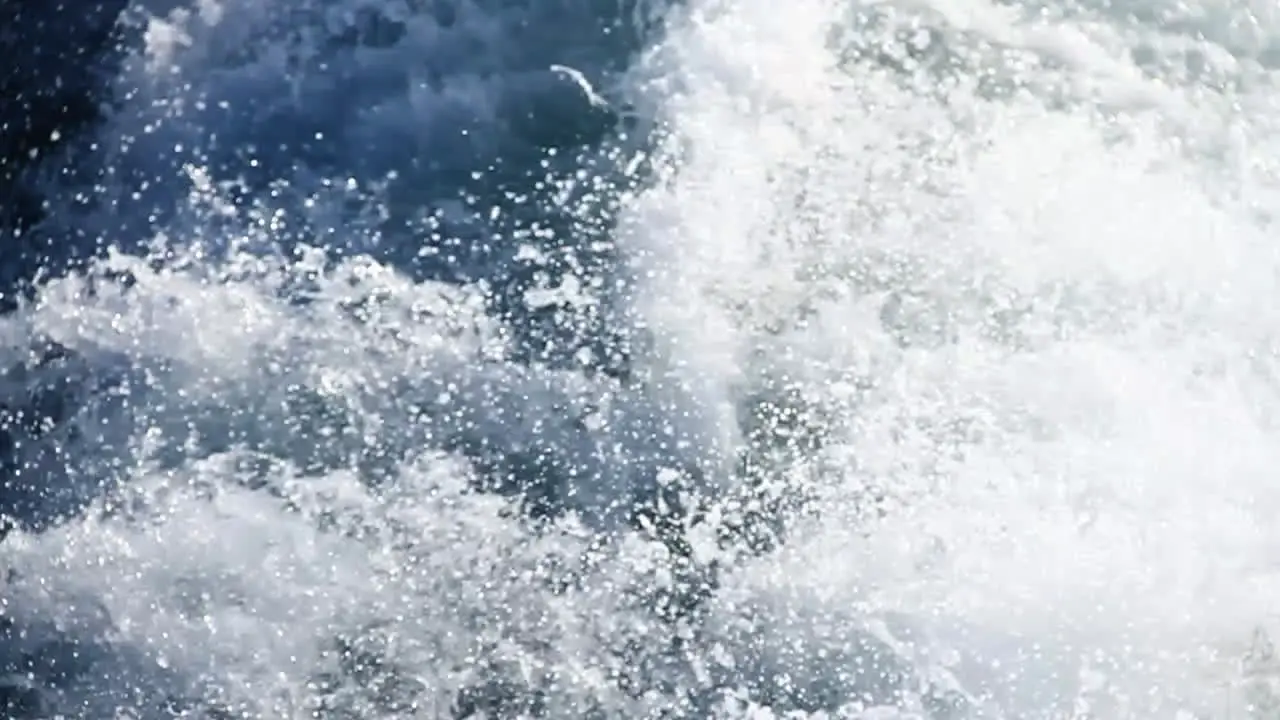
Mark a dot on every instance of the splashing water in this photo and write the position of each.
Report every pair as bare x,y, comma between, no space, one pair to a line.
465,358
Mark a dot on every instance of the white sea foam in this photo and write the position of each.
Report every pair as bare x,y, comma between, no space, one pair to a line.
974,301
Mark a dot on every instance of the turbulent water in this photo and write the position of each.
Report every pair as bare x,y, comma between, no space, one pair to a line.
622,359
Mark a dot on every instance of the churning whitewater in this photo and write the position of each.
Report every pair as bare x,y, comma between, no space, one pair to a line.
625,359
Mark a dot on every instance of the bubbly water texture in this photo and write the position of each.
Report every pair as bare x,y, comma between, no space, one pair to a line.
726,359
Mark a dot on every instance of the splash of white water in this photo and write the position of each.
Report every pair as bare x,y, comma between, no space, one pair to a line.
982,291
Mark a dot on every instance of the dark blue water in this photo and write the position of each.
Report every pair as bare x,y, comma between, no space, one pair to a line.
84,183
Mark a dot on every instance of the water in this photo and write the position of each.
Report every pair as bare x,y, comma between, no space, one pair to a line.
465,358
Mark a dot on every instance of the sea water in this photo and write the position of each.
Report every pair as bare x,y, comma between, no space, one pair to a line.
627,359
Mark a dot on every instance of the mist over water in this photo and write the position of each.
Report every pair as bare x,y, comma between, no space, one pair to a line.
721,359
